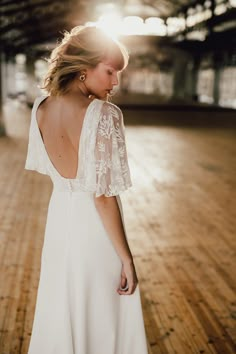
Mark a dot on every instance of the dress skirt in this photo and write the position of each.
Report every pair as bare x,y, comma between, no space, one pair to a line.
78,309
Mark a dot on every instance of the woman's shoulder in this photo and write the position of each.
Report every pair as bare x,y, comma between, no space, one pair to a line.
40,102
40,98
109,107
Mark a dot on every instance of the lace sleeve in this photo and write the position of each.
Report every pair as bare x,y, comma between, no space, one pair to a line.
112,169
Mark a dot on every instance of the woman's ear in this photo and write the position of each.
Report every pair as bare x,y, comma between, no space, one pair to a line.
82,75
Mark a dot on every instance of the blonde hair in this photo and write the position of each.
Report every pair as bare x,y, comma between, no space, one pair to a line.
82,48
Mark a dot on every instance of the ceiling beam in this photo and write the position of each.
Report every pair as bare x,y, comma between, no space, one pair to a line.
31,20
25,6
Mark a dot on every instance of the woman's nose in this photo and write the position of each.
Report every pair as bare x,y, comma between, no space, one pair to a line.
115,80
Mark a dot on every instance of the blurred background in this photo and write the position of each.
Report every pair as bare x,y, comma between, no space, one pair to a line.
182,52
178,96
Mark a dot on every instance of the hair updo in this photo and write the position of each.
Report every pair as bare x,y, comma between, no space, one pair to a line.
82,48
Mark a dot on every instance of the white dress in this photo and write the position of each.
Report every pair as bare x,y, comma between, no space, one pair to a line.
78,310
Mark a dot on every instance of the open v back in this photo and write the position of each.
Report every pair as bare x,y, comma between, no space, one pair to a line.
98,149
60,136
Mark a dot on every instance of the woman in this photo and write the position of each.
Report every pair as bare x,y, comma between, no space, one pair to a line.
88,299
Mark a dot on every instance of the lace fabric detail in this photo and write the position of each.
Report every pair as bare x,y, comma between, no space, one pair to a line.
103,158
112,169
103,163
86,170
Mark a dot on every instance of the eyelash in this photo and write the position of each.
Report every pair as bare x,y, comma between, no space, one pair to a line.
109,72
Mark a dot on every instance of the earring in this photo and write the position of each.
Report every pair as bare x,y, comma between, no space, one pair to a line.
82,77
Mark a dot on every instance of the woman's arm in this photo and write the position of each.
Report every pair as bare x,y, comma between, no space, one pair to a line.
109,211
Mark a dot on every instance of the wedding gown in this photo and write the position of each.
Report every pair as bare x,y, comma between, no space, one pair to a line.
78,310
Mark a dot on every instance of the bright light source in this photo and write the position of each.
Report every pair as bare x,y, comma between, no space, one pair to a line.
199,8
232,3
133,25
178,22
90,24
190,21
110,23
154,21
106,8
114,25
206,14
220,9
190,11
175,24
20,59
207,4
197,35
156,26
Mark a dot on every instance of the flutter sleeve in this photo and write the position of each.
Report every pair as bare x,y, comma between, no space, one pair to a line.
111,161
35,157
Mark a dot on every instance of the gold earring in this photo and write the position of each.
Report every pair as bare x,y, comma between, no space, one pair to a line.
82,77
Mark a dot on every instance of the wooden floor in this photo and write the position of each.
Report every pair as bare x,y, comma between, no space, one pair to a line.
181,222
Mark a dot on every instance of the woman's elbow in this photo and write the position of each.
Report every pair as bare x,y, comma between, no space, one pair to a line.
103,200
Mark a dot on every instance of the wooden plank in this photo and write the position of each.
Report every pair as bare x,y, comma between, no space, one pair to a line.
180,221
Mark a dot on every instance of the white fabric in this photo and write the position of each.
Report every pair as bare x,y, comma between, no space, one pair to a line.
112,170
78,310
35,159
103,163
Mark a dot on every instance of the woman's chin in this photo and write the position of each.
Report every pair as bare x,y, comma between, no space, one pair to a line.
103,96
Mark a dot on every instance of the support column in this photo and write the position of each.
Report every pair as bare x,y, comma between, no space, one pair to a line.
217,69
2,127
213,5
195,70
180,74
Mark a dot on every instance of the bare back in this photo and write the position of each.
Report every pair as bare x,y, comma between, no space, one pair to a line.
60,121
